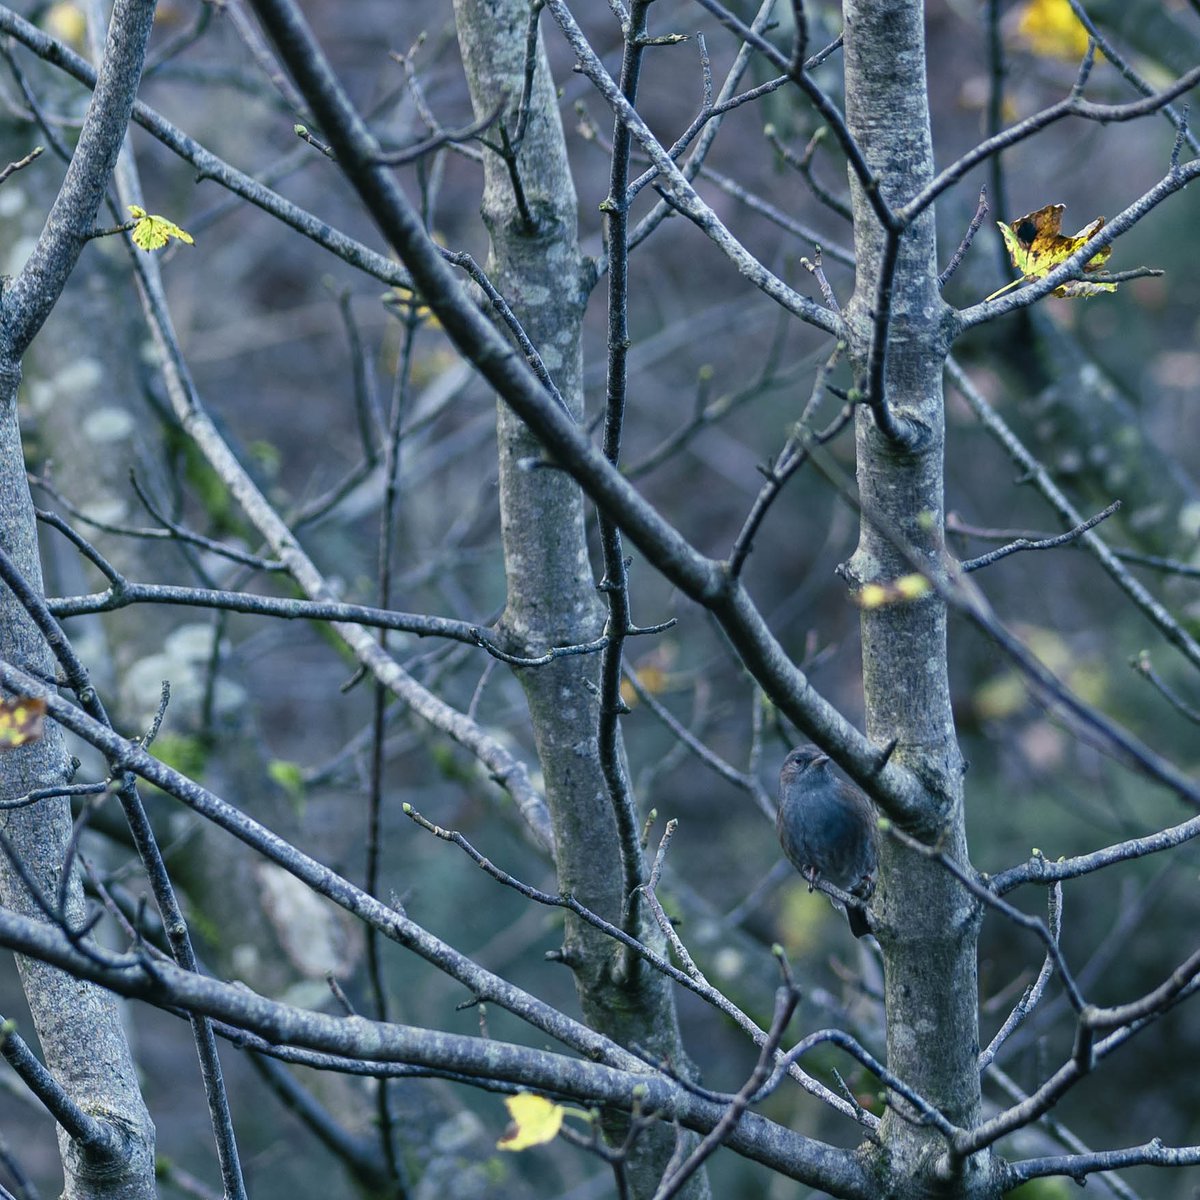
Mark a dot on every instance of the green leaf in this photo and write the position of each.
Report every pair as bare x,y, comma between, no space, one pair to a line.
289,776
185,754
152,232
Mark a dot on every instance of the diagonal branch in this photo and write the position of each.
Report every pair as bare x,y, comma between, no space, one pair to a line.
674,186
621,1086
27,301
699,577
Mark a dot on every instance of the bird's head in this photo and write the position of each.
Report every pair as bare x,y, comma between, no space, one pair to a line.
802,760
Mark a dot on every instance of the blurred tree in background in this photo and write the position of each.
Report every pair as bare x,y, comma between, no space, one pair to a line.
428,602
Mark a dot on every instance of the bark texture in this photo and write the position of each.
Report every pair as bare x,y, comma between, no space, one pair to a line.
552,600
78,1025
928,926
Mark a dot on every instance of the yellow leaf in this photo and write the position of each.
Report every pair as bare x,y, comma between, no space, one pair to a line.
20,721
1089,681
653,672
67,23
872,596
152,231
651,676
1051,29
1005,694
907,587
1036,246
1049,647
534,1120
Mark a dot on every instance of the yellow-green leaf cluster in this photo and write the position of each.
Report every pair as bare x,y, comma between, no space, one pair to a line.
152,232
66,22
289,776
21,721
1006,694
899,591
534,1120
1050,29
186,753
801,920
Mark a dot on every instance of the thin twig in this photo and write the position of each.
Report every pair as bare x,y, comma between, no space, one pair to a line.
21,163
986,560
674,1179
981,210
695,983
1032,995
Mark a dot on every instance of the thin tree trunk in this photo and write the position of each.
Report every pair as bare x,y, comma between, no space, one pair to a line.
928,928
78,1025
537,265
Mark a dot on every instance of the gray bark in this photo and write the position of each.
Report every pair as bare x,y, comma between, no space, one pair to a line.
928,924
552,598
78,1025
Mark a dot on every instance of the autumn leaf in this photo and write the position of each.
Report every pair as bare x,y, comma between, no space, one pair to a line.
152,231
1036,246
534,1120
1051,29
67,23
653,673
899,591
20,721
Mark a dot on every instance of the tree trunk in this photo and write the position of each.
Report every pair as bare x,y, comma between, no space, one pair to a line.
78,1025
537,265
929,925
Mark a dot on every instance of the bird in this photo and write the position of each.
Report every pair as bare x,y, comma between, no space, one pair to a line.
826,827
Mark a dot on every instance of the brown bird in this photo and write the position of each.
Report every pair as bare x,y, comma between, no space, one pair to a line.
827,826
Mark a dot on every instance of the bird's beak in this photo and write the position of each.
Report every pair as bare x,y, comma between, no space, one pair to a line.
820,760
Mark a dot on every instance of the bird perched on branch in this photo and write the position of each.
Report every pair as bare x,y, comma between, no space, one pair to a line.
827,827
